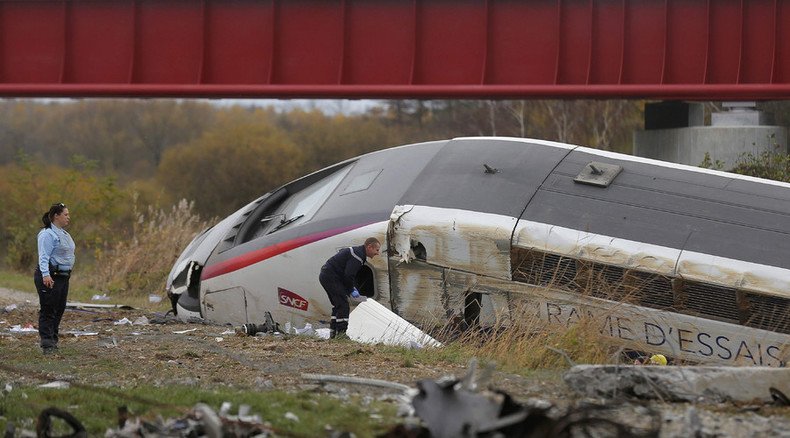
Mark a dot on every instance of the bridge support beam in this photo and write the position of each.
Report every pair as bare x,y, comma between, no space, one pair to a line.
675,131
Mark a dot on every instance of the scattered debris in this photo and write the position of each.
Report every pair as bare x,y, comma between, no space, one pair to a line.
110,342
102,297
44,424
200,421
372,323
9,308
78,333
142,320
123,321
356,380
268,326
57,384
679,383
495,413
181,332
77,305
154,298
27,328
291,416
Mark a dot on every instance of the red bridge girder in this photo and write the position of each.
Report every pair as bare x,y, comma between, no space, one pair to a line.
668,49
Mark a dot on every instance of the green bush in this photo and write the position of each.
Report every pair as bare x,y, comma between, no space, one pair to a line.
771,164
99,209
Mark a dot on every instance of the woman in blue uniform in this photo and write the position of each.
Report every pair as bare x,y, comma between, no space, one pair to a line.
55,261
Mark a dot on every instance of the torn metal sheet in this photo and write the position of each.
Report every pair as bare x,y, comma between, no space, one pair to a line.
452,408
455,239
594,247
372,323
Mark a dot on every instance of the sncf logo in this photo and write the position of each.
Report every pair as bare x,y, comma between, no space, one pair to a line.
290,299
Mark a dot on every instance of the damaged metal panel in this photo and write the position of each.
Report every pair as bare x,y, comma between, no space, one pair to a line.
438,255
737,274
455,239
595,247
417,293
471,299
229,304
681,336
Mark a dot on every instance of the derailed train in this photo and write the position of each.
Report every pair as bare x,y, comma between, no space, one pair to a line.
689,262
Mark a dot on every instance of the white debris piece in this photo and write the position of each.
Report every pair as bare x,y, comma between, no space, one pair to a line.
19,329
306,331
123,321
143,320
10,307
78,333
181,332
372,323
57,384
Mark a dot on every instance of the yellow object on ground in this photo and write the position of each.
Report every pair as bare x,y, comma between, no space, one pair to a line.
658,359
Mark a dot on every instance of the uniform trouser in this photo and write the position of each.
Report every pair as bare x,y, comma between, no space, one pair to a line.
52,303
336,292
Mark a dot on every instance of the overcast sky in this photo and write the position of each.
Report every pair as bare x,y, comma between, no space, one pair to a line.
327,106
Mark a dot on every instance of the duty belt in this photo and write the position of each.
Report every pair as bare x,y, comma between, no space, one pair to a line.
57,272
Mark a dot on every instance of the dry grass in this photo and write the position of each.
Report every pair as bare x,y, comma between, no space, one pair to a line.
530,343
139,266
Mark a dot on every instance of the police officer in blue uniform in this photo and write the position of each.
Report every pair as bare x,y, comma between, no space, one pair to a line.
337,278
55,261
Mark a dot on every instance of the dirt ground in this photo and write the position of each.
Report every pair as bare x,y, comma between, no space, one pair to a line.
215,355
98,352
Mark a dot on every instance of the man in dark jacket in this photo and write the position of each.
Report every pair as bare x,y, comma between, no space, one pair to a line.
337,278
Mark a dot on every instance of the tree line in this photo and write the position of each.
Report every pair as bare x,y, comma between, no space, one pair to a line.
112,158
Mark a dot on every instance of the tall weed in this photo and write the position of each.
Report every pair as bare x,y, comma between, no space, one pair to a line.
530,342
139,265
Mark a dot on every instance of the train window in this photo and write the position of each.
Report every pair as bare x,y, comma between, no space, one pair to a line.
302,205
361,182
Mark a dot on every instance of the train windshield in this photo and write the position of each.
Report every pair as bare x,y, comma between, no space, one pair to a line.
302,205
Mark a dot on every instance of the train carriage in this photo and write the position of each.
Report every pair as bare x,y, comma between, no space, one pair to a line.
686,261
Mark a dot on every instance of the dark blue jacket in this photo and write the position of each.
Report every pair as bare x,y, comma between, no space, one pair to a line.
345,265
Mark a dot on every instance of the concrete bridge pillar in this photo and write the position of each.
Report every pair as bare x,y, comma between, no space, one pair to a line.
675,131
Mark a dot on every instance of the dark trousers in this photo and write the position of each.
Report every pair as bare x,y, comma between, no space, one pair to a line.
52,302
336,292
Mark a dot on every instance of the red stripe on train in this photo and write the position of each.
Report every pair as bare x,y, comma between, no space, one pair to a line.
259,255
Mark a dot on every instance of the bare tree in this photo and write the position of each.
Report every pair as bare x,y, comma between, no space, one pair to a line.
561,115
517,110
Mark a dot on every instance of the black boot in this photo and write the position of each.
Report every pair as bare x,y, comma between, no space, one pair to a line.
332,333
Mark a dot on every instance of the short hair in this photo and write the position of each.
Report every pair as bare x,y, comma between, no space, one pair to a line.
371,241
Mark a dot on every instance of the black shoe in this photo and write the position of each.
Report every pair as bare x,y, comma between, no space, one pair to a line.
341,335
332,333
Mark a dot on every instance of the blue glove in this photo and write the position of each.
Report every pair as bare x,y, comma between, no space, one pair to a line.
355,293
